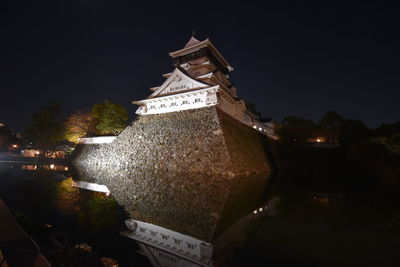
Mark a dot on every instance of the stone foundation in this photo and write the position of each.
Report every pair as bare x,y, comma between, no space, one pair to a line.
203,140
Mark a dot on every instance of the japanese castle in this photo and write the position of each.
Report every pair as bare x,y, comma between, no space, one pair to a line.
200,79
200,216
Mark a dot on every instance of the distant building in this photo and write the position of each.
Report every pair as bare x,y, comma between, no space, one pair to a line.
200,79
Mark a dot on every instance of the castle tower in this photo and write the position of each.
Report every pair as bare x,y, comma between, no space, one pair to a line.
193,122
192,168
200,79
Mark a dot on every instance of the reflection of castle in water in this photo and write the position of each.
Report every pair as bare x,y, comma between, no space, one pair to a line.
192,170
180,218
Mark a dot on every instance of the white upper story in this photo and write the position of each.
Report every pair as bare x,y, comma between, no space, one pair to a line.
178,92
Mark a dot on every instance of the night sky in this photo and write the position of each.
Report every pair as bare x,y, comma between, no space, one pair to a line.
290,58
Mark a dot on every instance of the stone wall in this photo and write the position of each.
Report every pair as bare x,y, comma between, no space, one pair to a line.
195,172
204,140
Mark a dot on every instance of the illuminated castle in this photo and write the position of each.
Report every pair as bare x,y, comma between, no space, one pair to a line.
191,170
200,79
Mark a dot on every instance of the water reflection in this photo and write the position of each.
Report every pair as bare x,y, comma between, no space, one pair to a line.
48,207
190,219
35,167
327,229
315,227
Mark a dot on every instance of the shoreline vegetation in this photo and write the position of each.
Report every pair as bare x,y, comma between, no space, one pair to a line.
363,166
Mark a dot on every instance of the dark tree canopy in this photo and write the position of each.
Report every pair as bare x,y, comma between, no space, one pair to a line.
352,131
330,121
5,137
387,129
46,128
296,129
252,108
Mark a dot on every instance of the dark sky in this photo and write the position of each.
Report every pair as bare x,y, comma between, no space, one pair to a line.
290,58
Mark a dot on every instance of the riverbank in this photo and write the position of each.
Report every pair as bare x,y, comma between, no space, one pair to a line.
362,167
16,247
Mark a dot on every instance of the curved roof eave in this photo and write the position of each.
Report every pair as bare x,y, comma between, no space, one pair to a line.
205,43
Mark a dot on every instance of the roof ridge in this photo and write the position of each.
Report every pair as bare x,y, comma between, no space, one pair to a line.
192,41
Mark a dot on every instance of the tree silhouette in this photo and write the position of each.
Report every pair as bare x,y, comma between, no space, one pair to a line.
296,129
330,122
352,131
46,128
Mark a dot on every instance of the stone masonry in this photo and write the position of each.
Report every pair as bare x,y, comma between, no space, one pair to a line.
205,140
194,171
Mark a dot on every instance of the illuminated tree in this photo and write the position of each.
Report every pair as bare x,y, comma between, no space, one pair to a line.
79,124
93,211
67,197
110,118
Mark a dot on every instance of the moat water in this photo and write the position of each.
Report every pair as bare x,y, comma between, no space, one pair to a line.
311,227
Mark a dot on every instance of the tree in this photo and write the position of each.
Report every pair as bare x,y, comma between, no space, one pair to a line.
5,137
391,143
46,127
252,108
387,129
352,131
296,129
79,124
330,122
110,118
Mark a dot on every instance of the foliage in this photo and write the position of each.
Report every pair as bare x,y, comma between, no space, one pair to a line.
391,143
351,131
46,128
252,108
330,122
93,211
387,129
103,119
296,129
79,124
5,137
331,125
110,118
100,213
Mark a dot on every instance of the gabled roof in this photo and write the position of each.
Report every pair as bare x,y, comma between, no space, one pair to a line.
176,77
